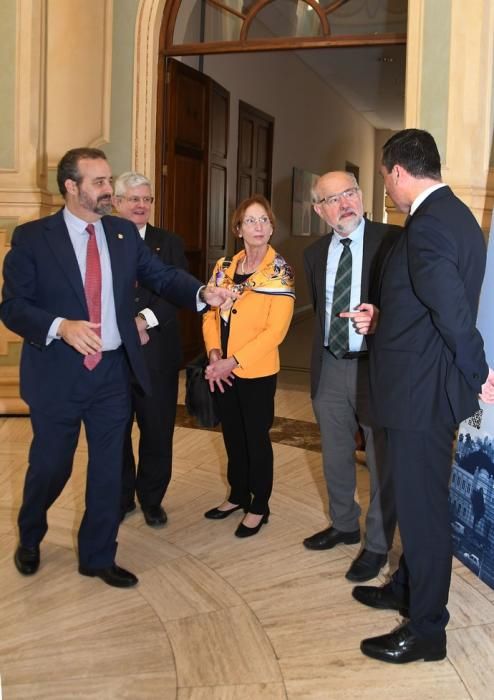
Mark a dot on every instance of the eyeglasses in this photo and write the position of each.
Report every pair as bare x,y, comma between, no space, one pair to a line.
252,221
333,199
137,200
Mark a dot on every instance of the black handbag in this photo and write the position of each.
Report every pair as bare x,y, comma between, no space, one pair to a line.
199,400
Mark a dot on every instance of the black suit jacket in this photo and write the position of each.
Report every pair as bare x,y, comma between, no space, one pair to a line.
377,239
164,348
427,360
42,281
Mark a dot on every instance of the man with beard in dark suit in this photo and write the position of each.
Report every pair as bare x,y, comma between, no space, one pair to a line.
339,372
159,330
69,283
427,368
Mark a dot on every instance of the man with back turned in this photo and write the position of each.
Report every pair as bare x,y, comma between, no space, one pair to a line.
427,368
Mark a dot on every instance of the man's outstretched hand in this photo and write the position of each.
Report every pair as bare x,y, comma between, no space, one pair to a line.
216,296
364,319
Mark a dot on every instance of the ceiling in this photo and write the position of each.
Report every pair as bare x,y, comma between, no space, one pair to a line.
371,79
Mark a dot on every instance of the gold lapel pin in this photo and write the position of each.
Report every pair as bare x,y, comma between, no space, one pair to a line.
120,235
158,250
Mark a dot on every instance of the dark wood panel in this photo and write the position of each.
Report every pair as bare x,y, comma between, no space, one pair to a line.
262,187
255,152
191,112
263,154
244,188
219,125
246,142
185,177
188,212
218,169
217,209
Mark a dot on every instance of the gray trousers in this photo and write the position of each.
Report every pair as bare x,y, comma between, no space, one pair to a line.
341,405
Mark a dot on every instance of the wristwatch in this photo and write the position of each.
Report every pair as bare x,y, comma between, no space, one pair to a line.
201,294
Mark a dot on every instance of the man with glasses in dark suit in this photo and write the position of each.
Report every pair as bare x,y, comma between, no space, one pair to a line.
159,330
339,268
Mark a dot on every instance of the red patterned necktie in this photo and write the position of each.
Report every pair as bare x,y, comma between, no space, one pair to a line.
92,288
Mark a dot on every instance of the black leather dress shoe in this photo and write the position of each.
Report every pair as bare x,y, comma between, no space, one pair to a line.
26,560
112,575
329,538
366,566
155,516
402,646
217,514
245,531
381,597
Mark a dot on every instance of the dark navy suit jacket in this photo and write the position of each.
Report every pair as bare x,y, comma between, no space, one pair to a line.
427,363
42,280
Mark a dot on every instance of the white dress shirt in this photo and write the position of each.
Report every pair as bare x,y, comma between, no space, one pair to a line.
79,237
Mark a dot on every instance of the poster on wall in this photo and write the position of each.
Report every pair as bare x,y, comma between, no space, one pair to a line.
471,494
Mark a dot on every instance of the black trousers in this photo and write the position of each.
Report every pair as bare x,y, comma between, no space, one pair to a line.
246,411
155,415
420,462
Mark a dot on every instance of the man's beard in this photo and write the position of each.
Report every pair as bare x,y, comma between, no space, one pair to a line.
348,225
101,206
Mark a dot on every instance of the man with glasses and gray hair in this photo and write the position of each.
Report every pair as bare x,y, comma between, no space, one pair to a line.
159,331
341,269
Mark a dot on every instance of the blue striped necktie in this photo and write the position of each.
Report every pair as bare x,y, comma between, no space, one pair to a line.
338,329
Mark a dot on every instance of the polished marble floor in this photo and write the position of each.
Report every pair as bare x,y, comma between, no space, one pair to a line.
215,617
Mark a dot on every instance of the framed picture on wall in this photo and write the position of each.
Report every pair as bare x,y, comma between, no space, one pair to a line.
305,221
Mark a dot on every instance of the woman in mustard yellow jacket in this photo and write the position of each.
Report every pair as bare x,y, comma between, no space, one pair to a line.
242,340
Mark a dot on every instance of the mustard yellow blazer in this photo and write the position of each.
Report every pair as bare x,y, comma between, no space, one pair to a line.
258,324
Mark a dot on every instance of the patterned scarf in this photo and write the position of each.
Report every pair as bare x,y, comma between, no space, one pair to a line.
274,276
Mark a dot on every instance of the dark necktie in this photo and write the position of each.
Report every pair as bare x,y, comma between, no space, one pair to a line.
338,329
92,289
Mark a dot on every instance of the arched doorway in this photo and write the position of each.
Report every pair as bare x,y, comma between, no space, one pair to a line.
204,28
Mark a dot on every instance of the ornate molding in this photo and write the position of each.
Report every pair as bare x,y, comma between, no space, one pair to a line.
148,25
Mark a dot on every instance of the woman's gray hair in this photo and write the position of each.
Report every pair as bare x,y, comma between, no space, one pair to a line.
129,179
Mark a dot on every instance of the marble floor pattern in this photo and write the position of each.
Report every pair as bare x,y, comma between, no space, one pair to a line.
215,617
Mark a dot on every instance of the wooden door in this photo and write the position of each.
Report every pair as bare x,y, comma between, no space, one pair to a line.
191,182
218,172
255,152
